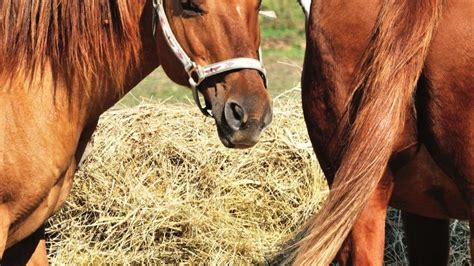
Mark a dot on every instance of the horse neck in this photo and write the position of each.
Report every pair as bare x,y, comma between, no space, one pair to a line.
148,61
109,96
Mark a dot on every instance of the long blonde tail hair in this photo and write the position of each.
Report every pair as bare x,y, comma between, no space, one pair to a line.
386,81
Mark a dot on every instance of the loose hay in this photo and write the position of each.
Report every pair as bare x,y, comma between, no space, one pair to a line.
160,188
396,252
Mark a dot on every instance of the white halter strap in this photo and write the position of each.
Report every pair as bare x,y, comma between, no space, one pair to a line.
197,74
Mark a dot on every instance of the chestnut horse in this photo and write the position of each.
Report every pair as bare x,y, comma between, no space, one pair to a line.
388,99
63,63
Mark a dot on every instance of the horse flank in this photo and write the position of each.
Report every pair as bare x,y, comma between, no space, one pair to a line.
385,83
86,43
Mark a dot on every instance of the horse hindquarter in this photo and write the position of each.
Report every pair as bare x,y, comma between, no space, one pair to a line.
446,101
335,45
385,81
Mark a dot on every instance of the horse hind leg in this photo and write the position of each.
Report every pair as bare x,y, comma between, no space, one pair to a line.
365,243
427,239
445,102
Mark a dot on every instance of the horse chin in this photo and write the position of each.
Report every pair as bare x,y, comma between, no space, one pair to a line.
236,136
227,139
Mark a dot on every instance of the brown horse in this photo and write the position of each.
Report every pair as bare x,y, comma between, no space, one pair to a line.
63,63
388,99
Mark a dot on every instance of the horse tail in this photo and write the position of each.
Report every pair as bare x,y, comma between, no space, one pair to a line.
385,84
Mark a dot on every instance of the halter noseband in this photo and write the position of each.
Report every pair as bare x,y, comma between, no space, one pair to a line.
196,73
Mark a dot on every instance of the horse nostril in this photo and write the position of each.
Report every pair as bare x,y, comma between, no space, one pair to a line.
237,111
235,115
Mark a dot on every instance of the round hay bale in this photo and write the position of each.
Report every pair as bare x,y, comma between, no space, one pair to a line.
159,187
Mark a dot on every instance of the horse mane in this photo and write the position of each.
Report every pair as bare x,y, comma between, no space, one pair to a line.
85,43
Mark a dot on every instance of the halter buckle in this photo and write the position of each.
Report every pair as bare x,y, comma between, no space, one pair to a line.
195,79
195,75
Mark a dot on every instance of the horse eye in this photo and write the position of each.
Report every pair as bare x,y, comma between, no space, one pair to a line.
190,8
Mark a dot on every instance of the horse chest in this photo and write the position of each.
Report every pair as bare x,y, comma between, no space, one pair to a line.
30,216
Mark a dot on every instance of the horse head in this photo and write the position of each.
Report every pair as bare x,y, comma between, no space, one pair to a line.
213,47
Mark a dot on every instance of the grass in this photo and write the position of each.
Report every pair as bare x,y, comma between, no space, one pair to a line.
290,15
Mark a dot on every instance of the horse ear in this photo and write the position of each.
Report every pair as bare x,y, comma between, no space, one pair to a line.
268,14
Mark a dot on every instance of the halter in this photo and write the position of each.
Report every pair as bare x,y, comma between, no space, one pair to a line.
196,73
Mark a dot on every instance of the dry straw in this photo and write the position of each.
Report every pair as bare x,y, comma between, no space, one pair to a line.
159,188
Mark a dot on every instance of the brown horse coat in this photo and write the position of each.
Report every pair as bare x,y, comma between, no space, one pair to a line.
63,63
389,105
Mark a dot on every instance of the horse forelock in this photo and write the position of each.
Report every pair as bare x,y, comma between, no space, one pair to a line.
85,43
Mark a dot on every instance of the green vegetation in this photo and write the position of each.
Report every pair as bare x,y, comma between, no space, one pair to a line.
283,36
283,49
289,14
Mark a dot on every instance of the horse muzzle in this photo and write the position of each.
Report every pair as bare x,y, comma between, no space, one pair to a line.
242,123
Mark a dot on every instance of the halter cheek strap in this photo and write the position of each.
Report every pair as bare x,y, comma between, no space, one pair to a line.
196,73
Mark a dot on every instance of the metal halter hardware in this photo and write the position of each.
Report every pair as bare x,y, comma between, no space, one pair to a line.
196,73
